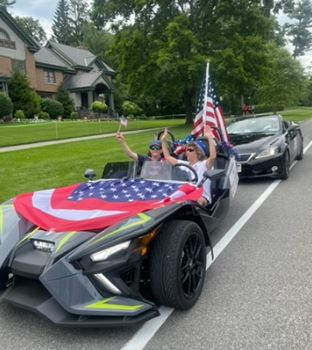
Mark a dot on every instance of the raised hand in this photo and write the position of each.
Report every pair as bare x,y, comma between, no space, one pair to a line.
119,137
207,131
163,137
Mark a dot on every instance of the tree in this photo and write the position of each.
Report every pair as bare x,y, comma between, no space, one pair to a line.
22,95
284,83
52,107
7,3
64,98
78,10
61,24
163,47
6,105
299,31
33,28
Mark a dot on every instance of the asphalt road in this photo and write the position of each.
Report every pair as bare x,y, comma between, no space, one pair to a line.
257,293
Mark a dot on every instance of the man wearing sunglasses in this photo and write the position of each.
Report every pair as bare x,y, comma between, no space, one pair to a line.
199,156
154,151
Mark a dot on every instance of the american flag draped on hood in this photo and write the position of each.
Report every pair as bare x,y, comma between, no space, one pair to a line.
97,205
209,110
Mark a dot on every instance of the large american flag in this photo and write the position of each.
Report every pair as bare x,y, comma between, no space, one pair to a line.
209,110
99,204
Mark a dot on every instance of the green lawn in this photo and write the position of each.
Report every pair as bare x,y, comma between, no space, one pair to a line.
298,114
35,132
61,165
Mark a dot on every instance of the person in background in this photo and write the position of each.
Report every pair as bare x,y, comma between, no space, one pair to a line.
199,157
154,150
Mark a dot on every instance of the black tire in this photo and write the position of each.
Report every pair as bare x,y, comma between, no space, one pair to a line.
284,173
300,155
3,279
178,264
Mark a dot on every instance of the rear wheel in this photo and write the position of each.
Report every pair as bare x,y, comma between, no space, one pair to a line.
284,173
178,264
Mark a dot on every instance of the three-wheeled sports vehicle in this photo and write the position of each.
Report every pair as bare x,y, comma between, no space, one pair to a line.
109,251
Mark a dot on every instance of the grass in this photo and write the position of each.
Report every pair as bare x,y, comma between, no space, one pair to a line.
21,134
62,165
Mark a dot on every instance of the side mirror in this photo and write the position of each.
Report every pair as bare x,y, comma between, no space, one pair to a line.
212,174
89,174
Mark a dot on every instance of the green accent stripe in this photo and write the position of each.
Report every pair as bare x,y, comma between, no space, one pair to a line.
62,242
144,218
27,237
103,305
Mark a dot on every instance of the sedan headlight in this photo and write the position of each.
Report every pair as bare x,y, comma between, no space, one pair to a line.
268,152
106,253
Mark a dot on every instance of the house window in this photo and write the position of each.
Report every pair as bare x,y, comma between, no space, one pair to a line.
5,40
49,77
19,66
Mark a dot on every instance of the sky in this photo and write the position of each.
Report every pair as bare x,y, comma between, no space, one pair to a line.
43,10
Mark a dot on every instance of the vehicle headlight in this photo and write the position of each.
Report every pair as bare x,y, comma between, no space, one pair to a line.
268,152
106,253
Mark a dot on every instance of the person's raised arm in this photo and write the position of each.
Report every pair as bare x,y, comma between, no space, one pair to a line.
128,152
212,147
166,153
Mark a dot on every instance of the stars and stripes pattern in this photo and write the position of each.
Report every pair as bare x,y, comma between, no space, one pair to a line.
99,204
209,110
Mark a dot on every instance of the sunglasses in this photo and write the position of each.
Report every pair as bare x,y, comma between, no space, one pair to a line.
155,148
190,149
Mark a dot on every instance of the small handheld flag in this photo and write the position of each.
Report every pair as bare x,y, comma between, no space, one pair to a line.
122,122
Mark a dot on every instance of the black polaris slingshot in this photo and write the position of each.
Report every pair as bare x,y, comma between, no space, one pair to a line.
108,252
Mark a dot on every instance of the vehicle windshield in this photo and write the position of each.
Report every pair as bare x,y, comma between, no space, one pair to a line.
269,125
151,170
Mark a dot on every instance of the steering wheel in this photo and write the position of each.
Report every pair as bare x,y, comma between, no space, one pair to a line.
169,133
195,178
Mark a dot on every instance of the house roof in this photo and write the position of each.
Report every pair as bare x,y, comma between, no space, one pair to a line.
83,80
77,57
46,57
32,44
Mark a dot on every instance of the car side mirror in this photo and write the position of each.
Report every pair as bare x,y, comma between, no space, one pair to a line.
89,174
212,174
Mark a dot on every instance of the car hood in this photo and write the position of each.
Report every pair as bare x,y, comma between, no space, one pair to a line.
252,143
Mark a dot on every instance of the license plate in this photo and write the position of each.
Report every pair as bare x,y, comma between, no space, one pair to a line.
239,167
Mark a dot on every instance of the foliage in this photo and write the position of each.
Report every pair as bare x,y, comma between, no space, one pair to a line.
98,107
73,115
262,108
131,108
299,30
78,15
6,105
7,3
284,83
44,115
64,98
22,95
32,27
61,27
161,54
52,107
19,114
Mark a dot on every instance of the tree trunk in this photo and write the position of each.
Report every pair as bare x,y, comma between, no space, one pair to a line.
188,105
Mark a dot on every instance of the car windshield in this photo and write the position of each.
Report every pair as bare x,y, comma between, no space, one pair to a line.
269,125
151,170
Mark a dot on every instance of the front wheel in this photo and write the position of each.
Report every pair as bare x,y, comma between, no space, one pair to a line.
284,173
178,264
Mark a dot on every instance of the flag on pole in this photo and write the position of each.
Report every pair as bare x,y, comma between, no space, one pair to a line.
123,121
209,110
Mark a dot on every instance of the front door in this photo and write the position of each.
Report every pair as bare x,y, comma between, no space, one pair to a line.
84,100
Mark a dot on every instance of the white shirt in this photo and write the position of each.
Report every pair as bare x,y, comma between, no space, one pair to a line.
200,167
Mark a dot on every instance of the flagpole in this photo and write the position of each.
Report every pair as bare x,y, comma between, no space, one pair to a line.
206,95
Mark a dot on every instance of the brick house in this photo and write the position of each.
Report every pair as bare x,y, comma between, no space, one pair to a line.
85,76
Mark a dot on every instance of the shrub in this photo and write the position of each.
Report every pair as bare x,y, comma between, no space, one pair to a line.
19,114
98,107
73,115
129,107
263,108
23,96
64,97
44,115
52,107
6,105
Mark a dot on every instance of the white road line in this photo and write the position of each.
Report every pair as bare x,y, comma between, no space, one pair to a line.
148,330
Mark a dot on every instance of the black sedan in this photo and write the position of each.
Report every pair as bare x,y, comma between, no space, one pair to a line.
266,145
